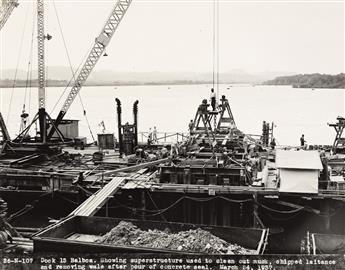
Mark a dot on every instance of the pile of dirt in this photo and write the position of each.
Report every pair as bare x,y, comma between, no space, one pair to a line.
201,241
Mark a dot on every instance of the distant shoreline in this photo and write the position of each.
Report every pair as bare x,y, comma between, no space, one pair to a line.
316,80
20,84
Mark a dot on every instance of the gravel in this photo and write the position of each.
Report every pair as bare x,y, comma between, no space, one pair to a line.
201,241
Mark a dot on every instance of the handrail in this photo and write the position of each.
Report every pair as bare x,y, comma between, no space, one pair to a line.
163,136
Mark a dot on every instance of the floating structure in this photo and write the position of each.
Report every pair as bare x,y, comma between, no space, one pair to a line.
242,188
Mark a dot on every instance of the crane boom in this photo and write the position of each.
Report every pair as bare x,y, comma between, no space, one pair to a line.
96,52
6,9
40,46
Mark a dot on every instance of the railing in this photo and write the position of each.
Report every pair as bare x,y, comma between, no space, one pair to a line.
164,137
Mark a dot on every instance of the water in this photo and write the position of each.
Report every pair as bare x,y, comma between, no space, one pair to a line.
170,108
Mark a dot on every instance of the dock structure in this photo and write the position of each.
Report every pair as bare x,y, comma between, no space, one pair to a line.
217,176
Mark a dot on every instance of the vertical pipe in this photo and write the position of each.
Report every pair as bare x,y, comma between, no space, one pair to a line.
143,204
118,102
327,215
213,220
135,115
43,124
201,213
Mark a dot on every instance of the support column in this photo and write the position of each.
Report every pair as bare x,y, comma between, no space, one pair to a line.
256,220
213,217
226,213
326,212
143,204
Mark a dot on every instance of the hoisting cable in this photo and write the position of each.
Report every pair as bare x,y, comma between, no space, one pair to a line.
68,84
73,73
32,38
29,69
16,70
214,43
217,48
215,54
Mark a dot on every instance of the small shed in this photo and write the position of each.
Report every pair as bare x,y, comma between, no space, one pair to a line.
69,128
106,141
298,171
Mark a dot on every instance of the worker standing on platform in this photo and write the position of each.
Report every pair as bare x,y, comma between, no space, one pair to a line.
154,135
191,126
273,144
149,137
303,141
213,99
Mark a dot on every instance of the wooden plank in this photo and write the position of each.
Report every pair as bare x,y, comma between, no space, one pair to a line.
98,199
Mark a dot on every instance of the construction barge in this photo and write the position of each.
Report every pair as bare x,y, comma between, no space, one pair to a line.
59,193
216,176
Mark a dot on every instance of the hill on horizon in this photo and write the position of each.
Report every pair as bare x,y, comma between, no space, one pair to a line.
109,76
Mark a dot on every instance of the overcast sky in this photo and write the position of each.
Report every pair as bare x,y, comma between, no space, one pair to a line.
176,35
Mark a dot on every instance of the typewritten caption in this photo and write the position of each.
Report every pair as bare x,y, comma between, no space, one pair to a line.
171,262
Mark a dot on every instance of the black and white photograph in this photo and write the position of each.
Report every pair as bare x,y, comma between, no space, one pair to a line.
172,134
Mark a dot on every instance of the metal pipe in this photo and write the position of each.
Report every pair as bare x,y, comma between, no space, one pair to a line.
118,102
135,115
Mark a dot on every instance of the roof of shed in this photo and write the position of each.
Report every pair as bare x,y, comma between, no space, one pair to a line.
301,159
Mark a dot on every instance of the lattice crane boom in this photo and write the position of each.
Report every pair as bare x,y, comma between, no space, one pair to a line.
40,46
7,6
96,52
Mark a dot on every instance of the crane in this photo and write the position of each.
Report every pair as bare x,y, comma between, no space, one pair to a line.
45,122
96,52
6,9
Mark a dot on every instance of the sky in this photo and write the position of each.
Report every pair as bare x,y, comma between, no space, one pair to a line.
175,36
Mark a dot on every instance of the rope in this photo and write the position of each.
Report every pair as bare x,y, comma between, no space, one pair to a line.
215,55
64,91
217,47
281,211
17,65
163,210
29,69
31,56
155,205
70,65
214,43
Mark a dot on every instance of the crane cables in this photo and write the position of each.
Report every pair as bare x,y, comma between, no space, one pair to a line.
215,49
28,82
73,72
17,65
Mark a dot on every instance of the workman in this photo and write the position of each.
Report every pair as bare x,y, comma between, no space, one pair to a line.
174,150
303,141
149,137
213,99
273,144
225,156
154,135
191,126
